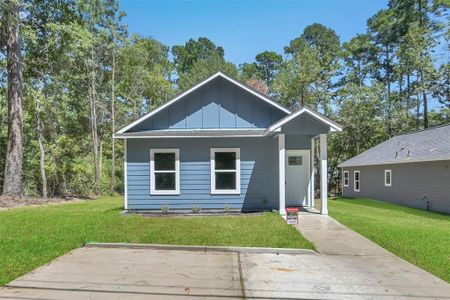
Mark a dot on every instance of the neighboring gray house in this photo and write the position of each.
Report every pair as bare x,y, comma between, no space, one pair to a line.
411,169
222,145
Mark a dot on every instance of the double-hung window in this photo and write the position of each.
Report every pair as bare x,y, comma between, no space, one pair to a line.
356,179
346,178
387,177
225,171
164,171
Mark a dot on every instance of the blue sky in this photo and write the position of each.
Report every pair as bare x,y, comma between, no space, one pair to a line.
247,27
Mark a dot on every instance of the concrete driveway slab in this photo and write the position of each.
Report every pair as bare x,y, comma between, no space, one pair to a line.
129,273
108,273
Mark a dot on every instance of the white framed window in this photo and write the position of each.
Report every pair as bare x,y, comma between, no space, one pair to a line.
346,178
225,171
387,177
356,181
164,171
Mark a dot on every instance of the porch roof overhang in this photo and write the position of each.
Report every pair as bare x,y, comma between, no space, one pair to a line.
304,111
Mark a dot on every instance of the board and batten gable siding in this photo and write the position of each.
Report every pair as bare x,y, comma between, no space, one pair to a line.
413,184
217,104
259,173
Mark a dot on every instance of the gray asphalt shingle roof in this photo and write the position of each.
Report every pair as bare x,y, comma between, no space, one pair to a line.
425,145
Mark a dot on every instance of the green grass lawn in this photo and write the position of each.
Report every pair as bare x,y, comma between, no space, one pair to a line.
420,237
33,236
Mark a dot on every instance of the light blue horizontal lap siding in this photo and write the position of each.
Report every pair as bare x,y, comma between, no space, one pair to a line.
218,104
259,174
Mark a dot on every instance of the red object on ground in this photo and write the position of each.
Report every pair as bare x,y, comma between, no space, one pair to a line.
292,215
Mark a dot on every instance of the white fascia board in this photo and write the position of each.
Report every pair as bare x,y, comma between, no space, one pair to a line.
333,126
185,137
155,111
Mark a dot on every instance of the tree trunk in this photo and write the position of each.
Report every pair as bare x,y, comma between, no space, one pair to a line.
418,111
425,100
113,125
389,108
100,159
14,150
40,130
422,81
93,119
408,95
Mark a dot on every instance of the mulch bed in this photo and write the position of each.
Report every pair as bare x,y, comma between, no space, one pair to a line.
10,202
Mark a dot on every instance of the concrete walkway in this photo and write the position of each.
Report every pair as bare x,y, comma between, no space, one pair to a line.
331,237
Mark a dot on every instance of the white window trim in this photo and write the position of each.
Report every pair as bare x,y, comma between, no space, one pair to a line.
348,178
354,181
154,191
236,191
390,177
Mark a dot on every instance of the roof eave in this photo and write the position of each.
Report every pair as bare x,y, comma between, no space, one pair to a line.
334,127
343,165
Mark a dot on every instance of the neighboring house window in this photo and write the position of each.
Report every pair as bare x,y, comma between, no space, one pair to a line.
225,171
164,171
346,178
387,177
356,181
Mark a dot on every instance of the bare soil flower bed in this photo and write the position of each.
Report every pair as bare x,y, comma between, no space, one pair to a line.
10,202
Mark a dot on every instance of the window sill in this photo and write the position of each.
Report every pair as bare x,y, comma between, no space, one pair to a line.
226,192
164,193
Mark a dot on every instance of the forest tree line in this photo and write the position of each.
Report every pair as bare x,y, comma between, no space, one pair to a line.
71,75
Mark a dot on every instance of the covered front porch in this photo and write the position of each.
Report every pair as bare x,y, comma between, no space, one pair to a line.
302,152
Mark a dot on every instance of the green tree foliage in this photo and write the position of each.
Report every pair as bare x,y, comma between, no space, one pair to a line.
198,59
143,71
186,56
296,81
84,76
306,76
203,68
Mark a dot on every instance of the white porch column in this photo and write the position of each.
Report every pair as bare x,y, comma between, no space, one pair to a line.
323,175
125,173
282,173
312,177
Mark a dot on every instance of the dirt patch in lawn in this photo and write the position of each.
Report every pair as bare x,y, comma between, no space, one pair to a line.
7,202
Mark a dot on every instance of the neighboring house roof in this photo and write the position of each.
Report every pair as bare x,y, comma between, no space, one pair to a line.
199,85
425,145
305,110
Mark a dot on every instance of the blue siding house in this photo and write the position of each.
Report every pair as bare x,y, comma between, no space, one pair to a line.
220,145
